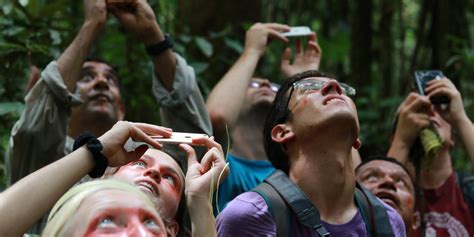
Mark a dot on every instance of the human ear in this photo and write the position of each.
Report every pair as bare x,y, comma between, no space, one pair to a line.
357,144
172,228
282,133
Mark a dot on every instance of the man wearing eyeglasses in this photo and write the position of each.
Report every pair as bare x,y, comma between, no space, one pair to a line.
240,101
310,130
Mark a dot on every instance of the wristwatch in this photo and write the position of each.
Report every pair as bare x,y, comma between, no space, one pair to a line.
160,47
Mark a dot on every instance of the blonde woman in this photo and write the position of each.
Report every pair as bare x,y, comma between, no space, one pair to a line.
104,207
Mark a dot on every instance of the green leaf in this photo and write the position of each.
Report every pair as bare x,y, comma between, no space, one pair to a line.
204,46
24,3
234,44
7,48
7,8
13,30
10,107
37,48
55,36
199,67
185,38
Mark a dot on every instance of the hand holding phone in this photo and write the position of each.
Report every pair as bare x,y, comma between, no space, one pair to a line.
422,77
297,31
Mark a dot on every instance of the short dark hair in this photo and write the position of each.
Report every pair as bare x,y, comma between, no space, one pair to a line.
279,114
388,159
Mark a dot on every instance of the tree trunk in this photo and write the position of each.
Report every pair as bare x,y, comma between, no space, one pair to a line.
420,33
449,33
387,46
361,42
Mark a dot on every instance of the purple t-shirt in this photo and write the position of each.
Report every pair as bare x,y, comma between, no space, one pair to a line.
248,215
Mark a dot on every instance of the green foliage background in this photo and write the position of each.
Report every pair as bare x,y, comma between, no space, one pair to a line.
34,32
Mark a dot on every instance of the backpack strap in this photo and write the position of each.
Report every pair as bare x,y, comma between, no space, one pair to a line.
365,211
375,212
299,203
275,204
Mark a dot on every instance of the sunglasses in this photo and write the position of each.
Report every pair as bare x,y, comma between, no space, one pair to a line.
257,84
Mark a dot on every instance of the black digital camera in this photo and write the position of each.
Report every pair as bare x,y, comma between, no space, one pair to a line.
424,76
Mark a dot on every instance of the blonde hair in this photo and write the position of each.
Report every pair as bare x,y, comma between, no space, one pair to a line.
69,203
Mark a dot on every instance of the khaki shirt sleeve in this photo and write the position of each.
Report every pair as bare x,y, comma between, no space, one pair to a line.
38,137
182,109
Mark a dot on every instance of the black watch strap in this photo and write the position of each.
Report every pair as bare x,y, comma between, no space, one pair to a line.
158,48
95,147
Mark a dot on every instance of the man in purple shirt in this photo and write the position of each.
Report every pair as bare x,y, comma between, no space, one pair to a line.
309,133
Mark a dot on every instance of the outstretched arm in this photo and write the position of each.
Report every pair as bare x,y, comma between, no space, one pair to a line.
201,180
454,114
226,99
18,211
71,60
142,22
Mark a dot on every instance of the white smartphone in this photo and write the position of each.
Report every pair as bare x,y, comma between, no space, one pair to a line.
296,31
176,138
179,137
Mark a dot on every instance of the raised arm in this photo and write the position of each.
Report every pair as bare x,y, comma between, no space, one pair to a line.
454,114
226,99
410,121
201,180
174,82
38,137
71,60
18,210
141,20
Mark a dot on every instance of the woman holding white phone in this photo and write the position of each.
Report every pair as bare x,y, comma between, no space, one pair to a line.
19,211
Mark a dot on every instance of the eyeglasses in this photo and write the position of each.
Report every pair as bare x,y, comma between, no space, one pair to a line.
313,84
310,84
257,84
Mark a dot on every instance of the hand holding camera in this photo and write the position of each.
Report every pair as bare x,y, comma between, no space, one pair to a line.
422,78
443,95
454,112
138,17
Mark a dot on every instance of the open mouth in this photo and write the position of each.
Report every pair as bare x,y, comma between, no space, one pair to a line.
148,187
389,199
333,99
